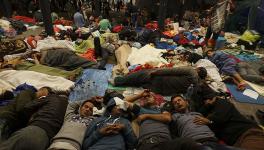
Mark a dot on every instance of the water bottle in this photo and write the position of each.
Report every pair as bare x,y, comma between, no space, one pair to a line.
189,92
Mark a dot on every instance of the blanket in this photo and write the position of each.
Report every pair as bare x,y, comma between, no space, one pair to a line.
65,59
13,78
12,47
146,54
48,70
83,46
93,82
213,72
51,43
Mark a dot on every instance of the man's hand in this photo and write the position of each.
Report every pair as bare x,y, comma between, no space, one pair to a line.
118,127
107,130
201,120
145,93
112,129
141,118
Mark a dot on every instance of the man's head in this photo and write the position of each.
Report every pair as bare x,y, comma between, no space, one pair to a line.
116,106
210,53
179,103
149,100
208,95
86,109
44,91
202,73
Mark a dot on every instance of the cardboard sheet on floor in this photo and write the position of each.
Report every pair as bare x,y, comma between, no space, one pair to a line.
248,96
93,82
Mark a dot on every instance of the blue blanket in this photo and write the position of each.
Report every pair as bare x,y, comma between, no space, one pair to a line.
240,97
93,82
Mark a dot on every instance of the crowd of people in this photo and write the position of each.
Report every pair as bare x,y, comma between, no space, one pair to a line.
182,70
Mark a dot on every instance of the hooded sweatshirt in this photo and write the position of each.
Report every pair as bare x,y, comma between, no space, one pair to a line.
94,140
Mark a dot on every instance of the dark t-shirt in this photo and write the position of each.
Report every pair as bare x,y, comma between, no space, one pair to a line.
169,85
228,123
149,128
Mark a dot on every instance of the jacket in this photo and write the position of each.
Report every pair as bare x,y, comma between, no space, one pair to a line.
125,139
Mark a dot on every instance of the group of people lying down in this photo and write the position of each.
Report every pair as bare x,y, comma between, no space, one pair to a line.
46,120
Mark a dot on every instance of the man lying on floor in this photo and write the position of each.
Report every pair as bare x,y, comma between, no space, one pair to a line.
12,116
229,125
62,58
78,117
47,114
22,64
165,81
154,123
185,125
111,131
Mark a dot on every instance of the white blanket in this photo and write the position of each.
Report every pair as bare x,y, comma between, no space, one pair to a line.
4,24
213,73
13,78
146,54
51,43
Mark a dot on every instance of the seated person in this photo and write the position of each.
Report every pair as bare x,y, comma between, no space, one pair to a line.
185,125
78,19
78,117
154,125
226,66
12,115
165,81
104,25
47,114
229,125
248,73
111,131
62,58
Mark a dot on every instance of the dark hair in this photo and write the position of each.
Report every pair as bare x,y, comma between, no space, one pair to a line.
111,94
49,89
193,57
210,50
177,95
7,95
89,100
202,73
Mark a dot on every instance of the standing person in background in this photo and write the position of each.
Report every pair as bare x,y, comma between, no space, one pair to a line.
78,19
216,21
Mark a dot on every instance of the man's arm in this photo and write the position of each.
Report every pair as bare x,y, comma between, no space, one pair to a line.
92,135
165,117
34,105
221,113
134,98
71,109
23,98
130,137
